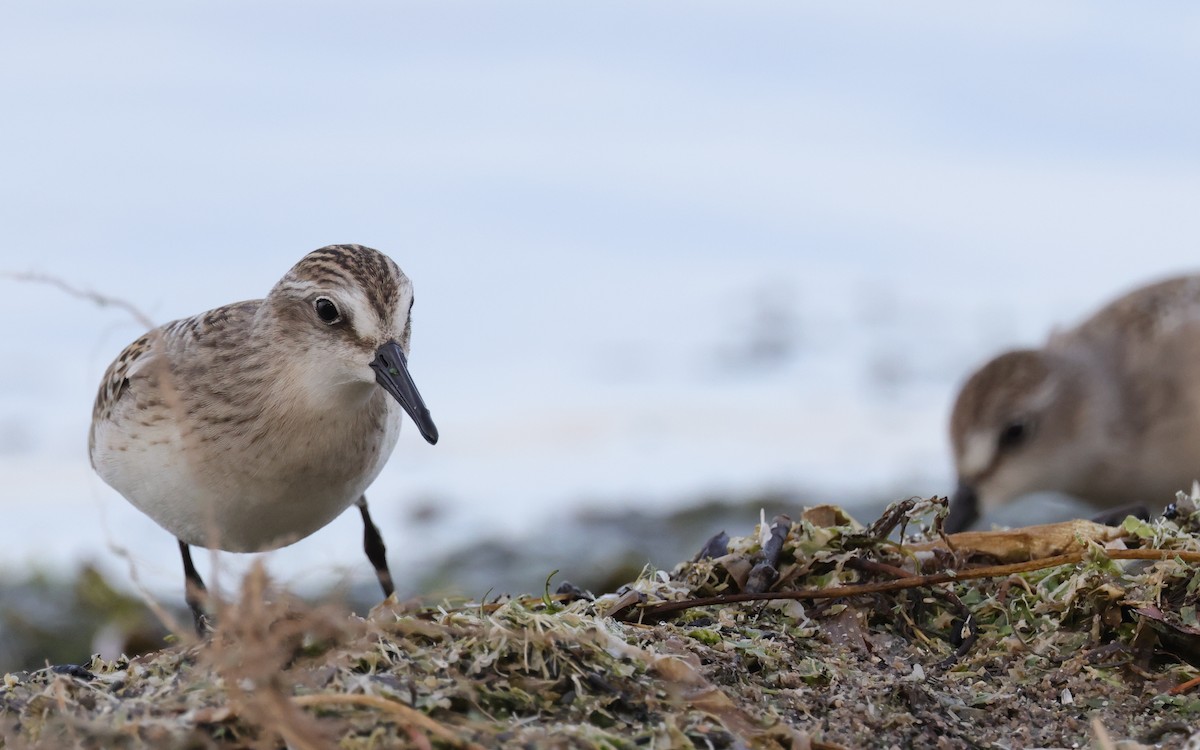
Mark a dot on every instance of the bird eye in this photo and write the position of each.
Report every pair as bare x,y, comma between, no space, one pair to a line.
1013,434
326,310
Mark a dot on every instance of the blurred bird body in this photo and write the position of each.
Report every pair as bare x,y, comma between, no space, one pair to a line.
1108,411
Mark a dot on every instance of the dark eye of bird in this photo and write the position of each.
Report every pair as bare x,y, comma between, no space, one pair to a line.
1013,434
326,310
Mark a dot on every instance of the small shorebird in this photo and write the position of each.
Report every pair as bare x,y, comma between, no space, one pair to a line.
252,425
1108,412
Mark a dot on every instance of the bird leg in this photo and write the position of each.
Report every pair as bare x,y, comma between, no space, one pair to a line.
195,592
376,551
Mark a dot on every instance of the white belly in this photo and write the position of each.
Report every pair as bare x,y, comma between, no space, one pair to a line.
226,497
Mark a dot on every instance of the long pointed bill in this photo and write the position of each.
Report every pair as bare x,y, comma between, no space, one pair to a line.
391,372
964,509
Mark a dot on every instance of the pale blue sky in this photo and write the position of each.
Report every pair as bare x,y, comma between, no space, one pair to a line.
590,198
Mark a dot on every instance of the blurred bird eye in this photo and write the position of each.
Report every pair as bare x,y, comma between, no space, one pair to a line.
1013,434
326,310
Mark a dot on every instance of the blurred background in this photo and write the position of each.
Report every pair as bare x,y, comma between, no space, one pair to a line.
673,262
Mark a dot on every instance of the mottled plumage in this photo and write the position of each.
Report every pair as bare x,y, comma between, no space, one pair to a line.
255,424
1108,411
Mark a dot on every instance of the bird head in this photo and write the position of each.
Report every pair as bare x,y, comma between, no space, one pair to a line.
1020,424
347,311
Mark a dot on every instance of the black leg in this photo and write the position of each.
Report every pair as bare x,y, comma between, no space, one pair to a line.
194,591
376,552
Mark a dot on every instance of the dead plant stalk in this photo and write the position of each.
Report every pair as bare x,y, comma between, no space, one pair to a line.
916,581
374,701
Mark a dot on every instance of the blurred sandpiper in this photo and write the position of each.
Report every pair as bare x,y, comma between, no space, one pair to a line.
1108,412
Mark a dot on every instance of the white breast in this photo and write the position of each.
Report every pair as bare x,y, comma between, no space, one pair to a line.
231,496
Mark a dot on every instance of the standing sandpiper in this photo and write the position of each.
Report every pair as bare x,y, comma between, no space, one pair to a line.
1108,412
251,426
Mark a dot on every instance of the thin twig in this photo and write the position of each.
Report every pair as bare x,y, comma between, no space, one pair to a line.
157,609
103,300
873,566
838,592
410,714
1184,687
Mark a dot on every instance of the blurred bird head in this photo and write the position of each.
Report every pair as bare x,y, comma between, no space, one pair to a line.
1022,423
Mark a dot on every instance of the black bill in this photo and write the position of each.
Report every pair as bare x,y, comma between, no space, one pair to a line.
964,509
391,372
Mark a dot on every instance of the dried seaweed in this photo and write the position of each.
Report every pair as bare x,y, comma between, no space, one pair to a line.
860,640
